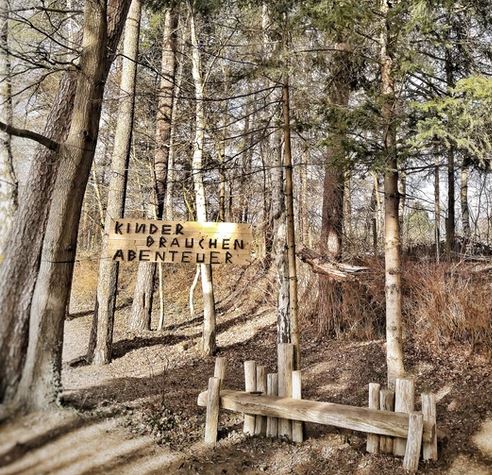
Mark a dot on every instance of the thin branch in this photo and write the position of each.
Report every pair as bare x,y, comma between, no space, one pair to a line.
29,134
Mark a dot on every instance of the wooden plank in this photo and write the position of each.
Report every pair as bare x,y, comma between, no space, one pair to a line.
372,445
297,426
250,386
272,390
413,442
261,387
386,403
212,417
285,362
404,402
220,366
362,419
430,415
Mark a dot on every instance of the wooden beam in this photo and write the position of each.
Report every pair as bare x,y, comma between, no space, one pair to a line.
347,417
414,442
373,440
213,405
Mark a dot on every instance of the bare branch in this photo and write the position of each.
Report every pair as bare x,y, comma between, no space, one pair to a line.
29,134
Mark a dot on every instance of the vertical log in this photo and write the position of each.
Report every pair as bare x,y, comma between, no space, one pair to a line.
285,364
386,401
250,386
220,365
261,386
430,415
212,417
272,390
414,442
372,439
297,426
404,402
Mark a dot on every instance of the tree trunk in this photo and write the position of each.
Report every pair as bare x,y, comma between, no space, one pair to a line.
330,292
451,217
291,240
8,179
394,337
437,210
108,269
141,313
208,339
41,378
465,209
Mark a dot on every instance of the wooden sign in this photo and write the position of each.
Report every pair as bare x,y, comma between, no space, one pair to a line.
152,240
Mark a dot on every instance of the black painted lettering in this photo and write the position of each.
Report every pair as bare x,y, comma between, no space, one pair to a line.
228,258
131,255
143,255
201,243
150,241
162,242
117,227
160,256
179,229
140,228
225,243
189,242
212,243
238,244
166,229
214,257
119,255
200,258
175,242
173,253
185,257
153,228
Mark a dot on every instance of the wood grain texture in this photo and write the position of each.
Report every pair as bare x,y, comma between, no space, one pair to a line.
404,402
413,442
372,445
261,387
386,403
393,424
430,415
212,417
297,426
250,386
220,366
285,362
272,390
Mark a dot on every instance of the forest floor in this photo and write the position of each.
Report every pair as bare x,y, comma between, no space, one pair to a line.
139,414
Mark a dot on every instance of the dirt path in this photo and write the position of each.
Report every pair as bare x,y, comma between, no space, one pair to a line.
138,415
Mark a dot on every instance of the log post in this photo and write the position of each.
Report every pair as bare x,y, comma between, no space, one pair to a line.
261,386
285,364
430,415
372,439
250,386
272,390
212,417
404,402
413,442
297,426
220,365
386,401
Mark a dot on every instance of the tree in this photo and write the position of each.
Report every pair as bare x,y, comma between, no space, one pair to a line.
108,269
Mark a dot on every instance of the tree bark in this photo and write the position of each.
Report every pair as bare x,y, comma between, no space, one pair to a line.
141,313
437,210
8,180
41,378
209,318
451,217
465,209
108,269
392,245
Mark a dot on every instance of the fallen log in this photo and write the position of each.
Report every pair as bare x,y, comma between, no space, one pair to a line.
324,265
362,419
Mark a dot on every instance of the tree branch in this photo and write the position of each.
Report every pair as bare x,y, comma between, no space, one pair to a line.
29,134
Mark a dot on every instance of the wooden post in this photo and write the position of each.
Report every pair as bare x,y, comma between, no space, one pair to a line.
430,415
413,442
220,365
297,426
372,439
212,417
272,390
285,363
261,386
386,401
404,402
250,386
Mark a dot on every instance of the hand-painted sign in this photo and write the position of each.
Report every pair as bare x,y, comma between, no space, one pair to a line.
176,242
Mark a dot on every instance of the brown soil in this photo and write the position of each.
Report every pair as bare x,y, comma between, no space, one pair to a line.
139,415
